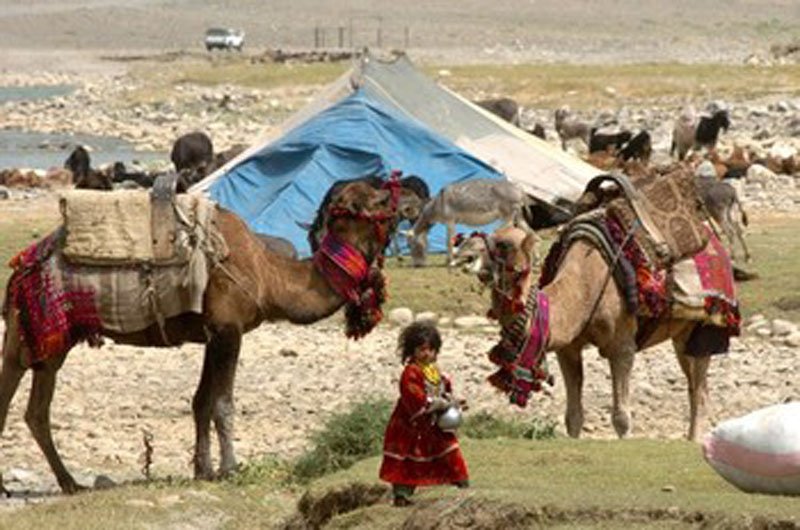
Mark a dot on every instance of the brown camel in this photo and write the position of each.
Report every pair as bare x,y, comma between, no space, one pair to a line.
251,286
586,308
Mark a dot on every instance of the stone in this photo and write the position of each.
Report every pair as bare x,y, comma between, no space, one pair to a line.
782,327
471,321
793,339
427,316
103,482
401,316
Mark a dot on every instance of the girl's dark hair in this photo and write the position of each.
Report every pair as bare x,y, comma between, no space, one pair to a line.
414,336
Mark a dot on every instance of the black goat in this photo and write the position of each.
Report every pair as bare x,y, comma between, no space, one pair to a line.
708,128
83,176
538,131
599,142
121,174
640,147
191,151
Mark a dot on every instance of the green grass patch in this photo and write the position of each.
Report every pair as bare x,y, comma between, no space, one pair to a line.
573,476
346,438
584,86
578,476
483,426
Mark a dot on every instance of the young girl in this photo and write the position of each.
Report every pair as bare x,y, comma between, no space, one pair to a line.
416,452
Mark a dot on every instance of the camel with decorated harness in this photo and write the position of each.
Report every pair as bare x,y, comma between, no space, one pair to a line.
640,267
200,275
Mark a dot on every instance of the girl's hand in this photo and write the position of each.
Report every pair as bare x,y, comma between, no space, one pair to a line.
437,404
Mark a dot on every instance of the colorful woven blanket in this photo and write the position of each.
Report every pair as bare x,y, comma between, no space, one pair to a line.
521,352
362,286
52,319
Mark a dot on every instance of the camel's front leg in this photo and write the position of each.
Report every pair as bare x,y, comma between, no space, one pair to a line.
621,363
37,416
214,397
223,401
696,371
570,360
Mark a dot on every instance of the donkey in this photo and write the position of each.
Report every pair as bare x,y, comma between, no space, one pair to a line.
474,203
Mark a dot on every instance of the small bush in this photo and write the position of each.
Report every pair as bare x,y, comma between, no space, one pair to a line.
268,470
346,439
483,426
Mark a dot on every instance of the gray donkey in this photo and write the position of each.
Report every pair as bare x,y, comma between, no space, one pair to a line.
473,203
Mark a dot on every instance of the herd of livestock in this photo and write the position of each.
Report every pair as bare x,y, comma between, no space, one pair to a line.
606,146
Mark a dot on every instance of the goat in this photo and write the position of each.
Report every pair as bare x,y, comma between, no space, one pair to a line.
569,127
708,128
506,108
83,176
120,174
538,131
640,147
600,141
684,132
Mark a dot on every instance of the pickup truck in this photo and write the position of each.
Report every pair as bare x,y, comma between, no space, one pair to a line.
224,39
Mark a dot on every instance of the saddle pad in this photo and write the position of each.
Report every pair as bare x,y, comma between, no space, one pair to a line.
107,227
672,205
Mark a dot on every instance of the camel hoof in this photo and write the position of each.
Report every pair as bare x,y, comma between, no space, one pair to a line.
622,424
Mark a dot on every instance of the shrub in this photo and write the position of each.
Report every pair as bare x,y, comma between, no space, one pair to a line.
485,426
268,470
346,439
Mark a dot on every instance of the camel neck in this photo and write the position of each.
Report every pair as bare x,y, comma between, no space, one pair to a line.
297,292
574,294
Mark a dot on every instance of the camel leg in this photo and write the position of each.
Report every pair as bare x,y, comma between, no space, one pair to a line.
621,365
223,402
211,399
696,371
37,416
570,359
10,375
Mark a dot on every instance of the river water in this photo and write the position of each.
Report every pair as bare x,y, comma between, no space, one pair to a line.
23,149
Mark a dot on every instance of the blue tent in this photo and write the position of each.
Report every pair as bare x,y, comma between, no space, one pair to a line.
279,187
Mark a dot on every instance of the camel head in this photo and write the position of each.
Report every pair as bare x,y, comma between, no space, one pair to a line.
364,217
508,272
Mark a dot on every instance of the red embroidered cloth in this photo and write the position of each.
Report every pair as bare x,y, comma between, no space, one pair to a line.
415,451
52,319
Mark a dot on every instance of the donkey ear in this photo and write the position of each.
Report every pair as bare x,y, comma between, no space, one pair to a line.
529,244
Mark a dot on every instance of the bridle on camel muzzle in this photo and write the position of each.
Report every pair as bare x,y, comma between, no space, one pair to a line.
377,219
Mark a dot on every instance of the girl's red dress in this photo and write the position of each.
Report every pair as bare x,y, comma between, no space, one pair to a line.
415,451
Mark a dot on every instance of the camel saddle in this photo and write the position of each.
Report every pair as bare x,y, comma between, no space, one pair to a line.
129,227
663,212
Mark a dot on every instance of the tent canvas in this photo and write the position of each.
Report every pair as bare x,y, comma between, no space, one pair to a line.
380,116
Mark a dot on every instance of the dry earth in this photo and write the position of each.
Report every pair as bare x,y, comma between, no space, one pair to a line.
63,34
292,378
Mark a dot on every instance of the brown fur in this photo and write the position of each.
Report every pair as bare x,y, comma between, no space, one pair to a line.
575,321
251,286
